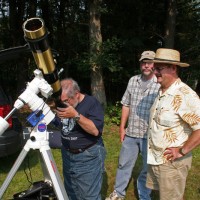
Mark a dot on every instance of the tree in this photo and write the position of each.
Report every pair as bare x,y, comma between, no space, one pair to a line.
16,17
97,83
170,24
99,41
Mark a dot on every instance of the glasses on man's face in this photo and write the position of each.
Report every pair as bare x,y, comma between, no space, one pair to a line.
159,69
66,100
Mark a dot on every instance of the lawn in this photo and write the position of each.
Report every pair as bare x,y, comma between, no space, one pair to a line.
21,180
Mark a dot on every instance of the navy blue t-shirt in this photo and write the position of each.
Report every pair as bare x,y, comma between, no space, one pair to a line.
73,136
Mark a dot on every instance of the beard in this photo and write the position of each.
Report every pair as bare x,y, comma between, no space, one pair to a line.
147,73
76,103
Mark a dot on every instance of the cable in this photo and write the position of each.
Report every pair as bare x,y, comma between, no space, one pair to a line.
27,165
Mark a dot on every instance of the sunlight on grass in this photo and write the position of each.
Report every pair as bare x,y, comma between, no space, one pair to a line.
112,143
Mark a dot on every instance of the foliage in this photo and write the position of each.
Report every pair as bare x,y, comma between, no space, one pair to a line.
113,114
110,56
188,22
127,29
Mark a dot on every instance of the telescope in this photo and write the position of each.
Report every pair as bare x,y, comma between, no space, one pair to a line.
47,83
36,35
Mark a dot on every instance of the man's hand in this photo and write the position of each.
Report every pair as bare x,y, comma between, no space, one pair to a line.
68,112
122,134
172,153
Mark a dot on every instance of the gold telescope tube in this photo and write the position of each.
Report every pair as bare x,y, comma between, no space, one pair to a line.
36,35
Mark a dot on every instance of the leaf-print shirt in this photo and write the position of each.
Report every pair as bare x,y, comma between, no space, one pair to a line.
173,117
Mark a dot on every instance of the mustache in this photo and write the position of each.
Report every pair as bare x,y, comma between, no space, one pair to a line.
151,70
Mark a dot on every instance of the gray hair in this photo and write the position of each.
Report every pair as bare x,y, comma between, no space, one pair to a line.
70,86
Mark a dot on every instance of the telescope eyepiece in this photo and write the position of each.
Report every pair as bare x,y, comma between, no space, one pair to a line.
33,24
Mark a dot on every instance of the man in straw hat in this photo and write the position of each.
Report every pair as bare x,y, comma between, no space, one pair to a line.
136,103
174,128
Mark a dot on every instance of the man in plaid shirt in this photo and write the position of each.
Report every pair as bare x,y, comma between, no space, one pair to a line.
136,103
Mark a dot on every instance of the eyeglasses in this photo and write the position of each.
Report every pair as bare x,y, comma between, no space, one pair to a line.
67,100
159,69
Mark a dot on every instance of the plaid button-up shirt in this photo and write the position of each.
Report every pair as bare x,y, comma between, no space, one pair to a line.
139,100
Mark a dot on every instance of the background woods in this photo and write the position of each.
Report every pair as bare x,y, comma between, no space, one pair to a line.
98,42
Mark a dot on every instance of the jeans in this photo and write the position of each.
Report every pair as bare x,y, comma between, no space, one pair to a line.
131,147
83,172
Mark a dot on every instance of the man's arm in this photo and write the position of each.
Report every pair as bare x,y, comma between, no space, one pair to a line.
84,122
192,142
88,125
124,118
177,152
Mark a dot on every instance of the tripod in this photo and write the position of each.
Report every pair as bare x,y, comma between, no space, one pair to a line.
39,135
39,140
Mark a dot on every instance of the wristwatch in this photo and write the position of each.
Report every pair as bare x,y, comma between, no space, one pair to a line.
77,117
181,151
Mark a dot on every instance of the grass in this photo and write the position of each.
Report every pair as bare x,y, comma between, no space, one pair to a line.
112,143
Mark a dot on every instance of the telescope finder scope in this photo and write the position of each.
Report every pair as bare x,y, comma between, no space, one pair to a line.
36,35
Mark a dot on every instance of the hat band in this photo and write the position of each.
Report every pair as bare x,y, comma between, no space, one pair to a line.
166,60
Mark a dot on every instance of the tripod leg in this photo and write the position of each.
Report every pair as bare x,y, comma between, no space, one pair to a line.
13,171
54,174
44,169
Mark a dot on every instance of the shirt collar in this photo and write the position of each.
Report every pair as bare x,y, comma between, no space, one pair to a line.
171,90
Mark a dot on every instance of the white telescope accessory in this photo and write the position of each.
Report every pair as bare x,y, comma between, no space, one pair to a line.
44,88
29,96
35,103
38,84
3,125
38,104
39,139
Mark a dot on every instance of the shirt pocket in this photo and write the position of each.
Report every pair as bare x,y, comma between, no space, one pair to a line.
165,117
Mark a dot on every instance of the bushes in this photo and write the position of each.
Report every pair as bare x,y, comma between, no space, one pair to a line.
113,113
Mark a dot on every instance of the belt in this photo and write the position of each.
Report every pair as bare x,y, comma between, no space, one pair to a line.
77,151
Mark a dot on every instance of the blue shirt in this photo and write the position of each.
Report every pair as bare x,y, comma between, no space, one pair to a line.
73,136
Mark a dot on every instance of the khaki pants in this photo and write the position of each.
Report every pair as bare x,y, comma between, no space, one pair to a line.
169,178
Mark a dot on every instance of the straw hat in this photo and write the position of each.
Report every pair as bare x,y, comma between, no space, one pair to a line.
169,56
147,55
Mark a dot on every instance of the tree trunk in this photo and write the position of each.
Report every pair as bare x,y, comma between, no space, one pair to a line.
170,23
97,83
16,14
46,15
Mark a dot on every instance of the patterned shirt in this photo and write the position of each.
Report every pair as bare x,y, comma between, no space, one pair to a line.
174,115
139,99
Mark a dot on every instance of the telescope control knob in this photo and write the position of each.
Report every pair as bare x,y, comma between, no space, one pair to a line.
32,138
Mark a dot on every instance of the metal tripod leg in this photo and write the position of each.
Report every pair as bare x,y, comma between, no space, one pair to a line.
54,175
13,171
50,165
